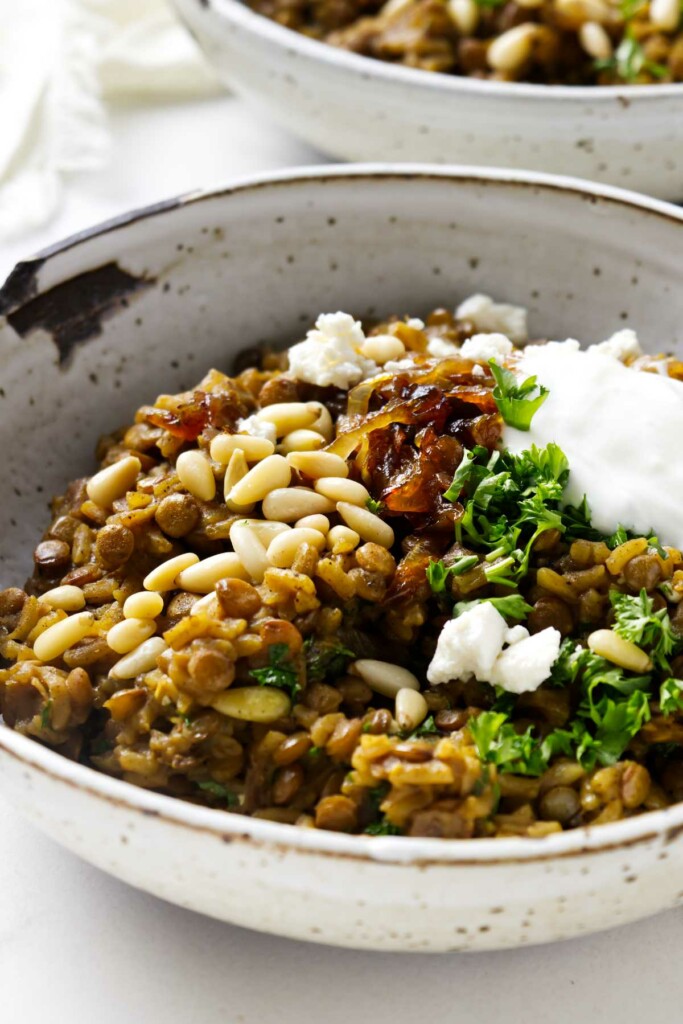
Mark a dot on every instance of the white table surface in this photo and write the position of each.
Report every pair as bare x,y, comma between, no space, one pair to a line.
77,946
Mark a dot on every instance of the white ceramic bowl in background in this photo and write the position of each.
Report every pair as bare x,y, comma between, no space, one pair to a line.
359,108
146,304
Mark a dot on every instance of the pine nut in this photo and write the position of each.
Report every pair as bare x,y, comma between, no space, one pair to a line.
267,475
595,40
112,482
253,703
383,677
367,524
143,605
302,441
573,13
341,540
283,549
250,550
68,598
323,423
236,471
266,529
342,490
142,659
208,605
292,503
128,634
202,577
58,638
615,648
317,522
624,553
465,16
196,475
392,7
288,416
164,576
383,347
318,464
509,51
411,709
254,448
665,14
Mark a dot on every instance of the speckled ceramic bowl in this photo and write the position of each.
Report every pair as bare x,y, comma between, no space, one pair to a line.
104,321
359,108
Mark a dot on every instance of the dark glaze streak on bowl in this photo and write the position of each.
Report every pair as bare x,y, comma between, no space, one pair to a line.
72,312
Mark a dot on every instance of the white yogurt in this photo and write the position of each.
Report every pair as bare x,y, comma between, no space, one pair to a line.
621,430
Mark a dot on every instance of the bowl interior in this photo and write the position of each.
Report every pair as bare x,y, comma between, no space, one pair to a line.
109,321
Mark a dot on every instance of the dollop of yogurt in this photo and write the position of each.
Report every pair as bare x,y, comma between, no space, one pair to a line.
620,429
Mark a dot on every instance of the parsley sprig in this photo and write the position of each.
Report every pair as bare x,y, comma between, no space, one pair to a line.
628,61
637,621
517,402
280,671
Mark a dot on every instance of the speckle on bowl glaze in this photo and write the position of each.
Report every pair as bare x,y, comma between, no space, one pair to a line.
521,237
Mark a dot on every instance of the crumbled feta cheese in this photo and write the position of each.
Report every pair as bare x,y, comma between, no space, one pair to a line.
397,365
469,645
526,663
482,347
622,345
489,316
472,645
257,428
478,371
441,349
331,354
416,323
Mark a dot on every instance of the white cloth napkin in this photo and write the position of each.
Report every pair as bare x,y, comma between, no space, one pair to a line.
61,63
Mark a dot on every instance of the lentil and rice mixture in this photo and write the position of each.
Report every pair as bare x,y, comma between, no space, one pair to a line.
565,42
270,599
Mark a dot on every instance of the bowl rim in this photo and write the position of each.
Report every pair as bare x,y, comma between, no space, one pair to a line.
651,827
316,50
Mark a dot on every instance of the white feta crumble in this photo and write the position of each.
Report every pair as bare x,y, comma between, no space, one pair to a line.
527,662
469,645
398,365
416,323
331,354
489,317
441,349
473,646
257,428
482,347
622,345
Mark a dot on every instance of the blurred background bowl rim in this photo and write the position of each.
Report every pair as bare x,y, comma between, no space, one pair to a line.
322,52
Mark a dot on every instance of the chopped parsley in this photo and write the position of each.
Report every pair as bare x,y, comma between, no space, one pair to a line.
637,621
325,659
509,501
629,60
220,791
279,672
382,828
499,743
671,696
373,505
46,716
517,403
512,606
428,728
438,572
